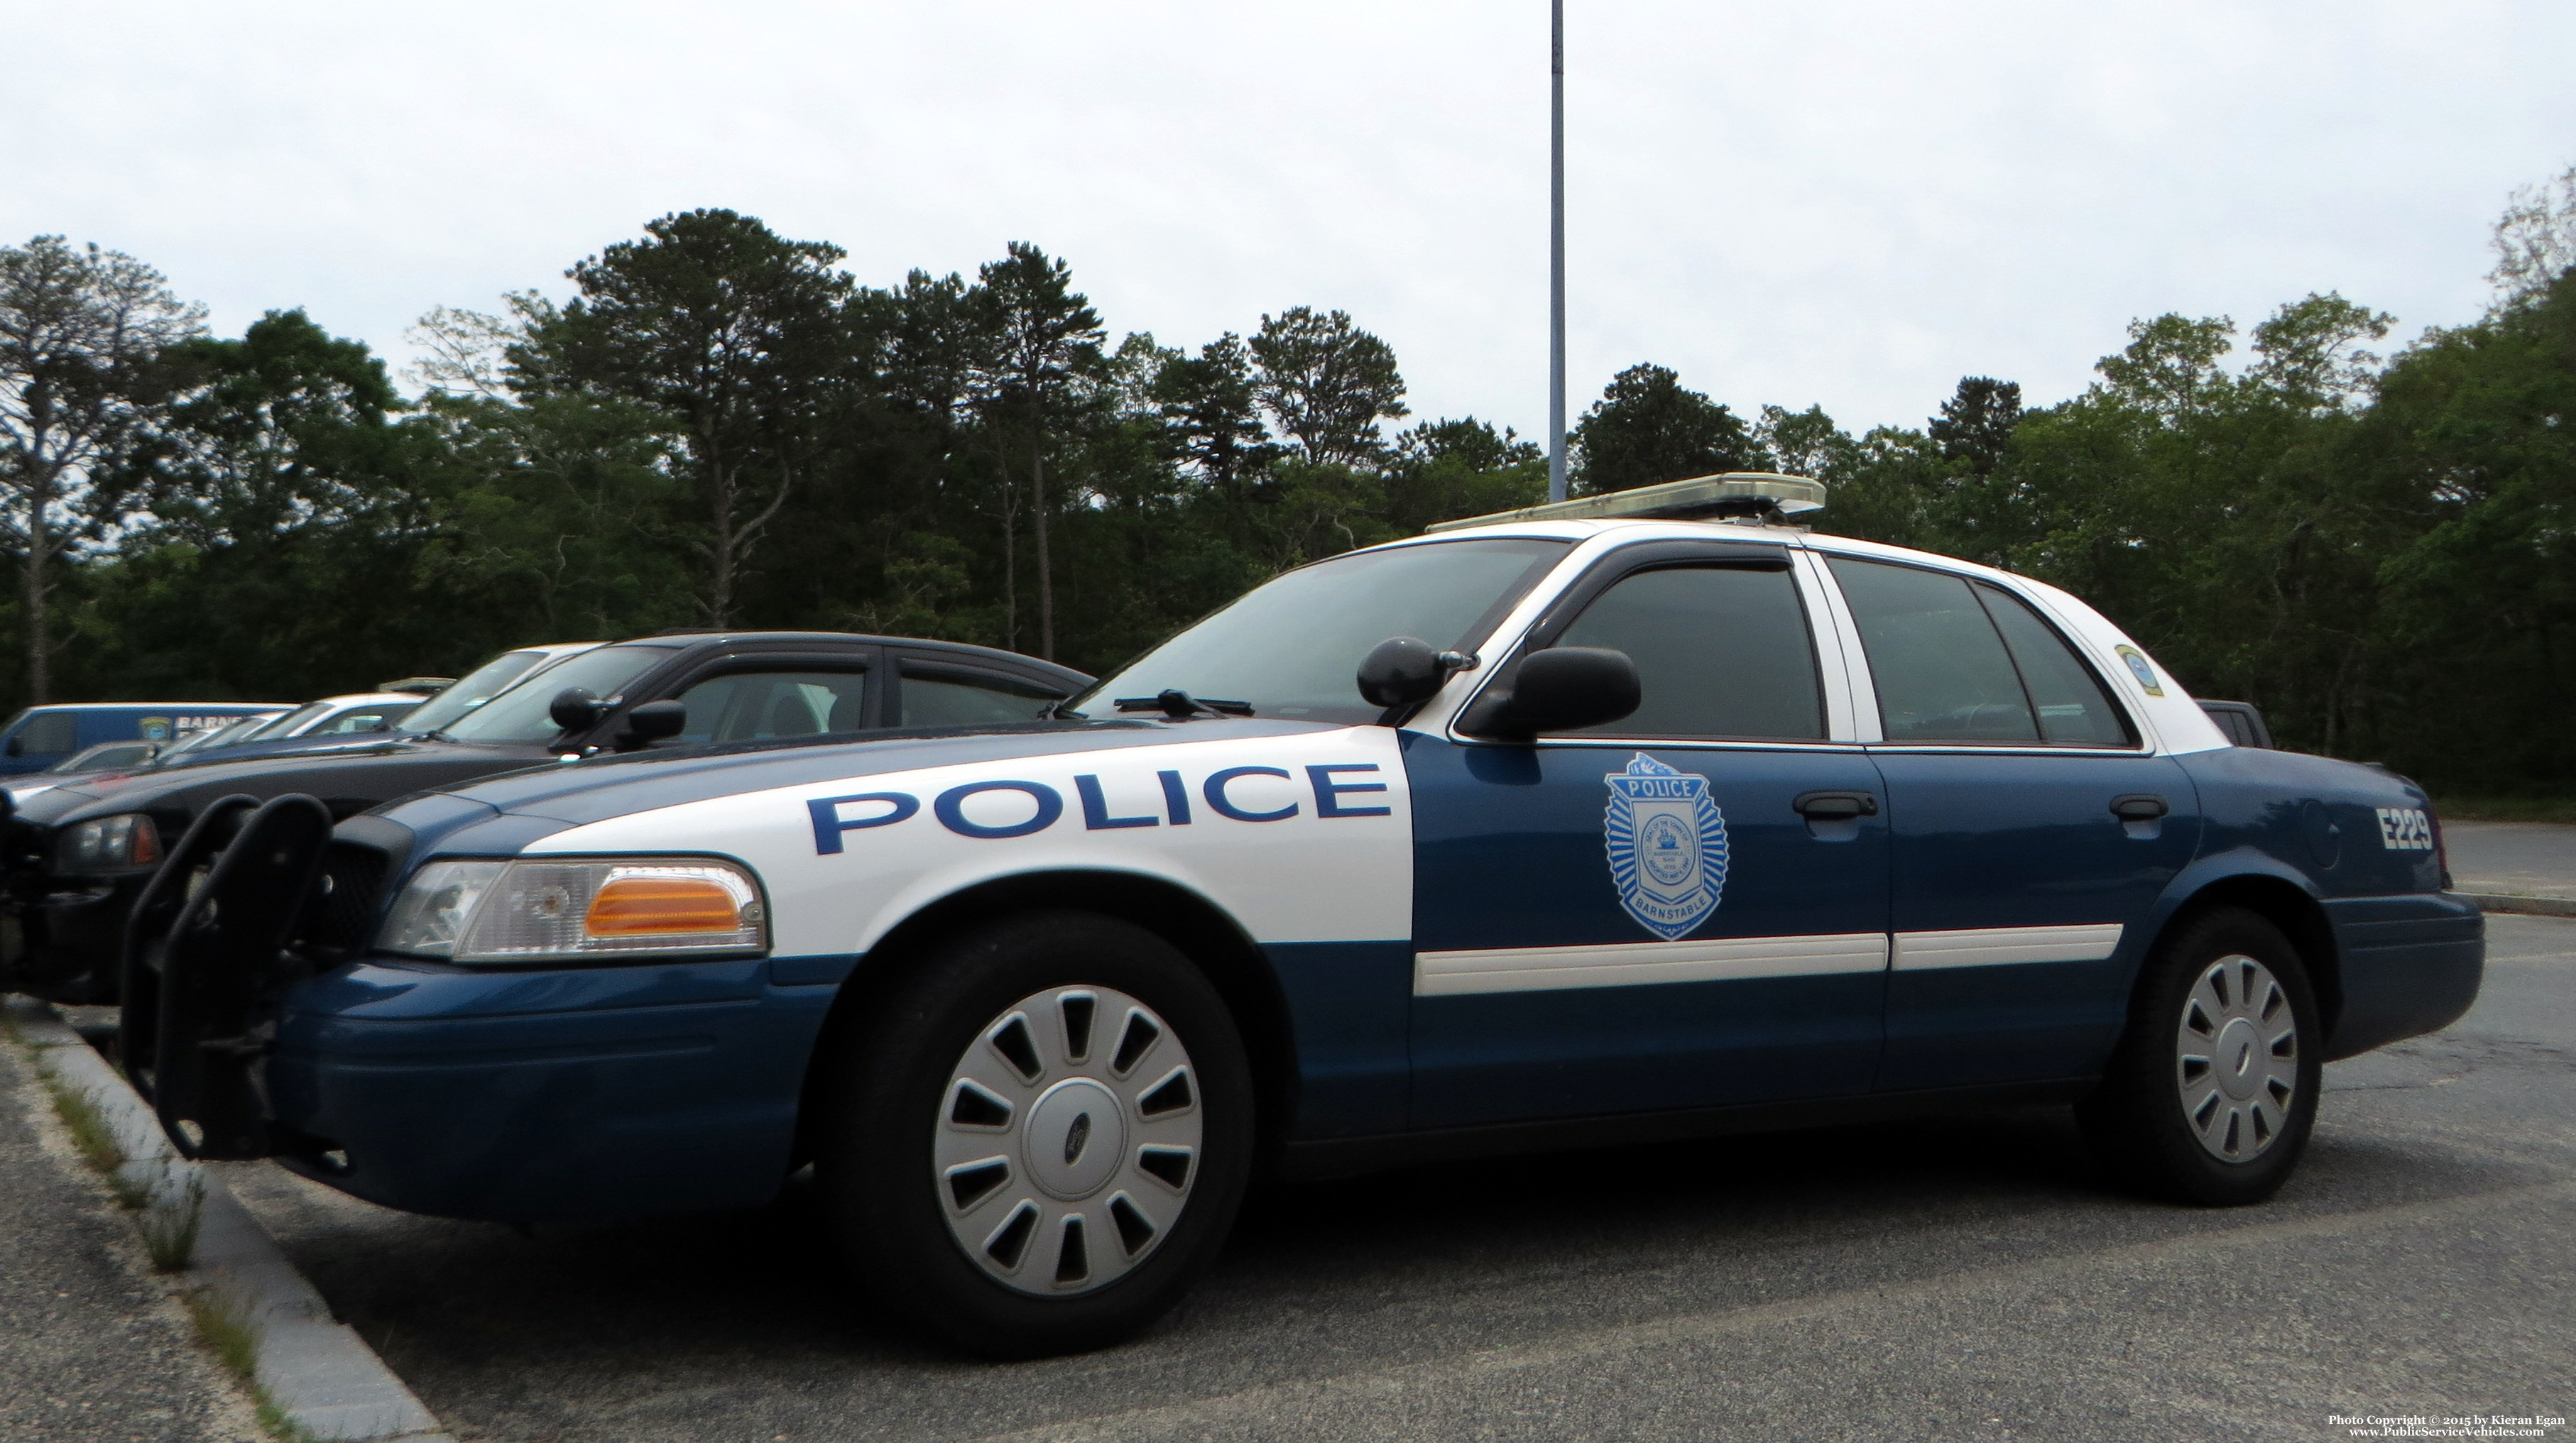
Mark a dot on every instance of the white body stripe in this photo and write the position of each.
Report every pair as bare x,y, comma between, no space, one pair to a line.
1639,964
1301,878
2004,946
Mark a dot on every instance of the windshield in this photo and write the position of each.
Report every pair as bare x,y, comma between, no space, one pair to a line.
286,725
472,690
519,714
222,736
1292,648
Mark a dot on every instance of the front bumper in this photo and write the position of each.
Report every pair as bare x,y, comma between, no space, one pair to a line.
63,938
546,1095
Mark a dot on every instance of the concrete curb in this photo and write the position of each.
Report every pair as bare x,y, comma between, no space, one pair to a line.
2535,906
314,1368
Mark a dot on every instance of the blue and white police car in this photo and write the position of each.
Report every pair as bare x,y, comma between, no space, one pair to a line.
1633,818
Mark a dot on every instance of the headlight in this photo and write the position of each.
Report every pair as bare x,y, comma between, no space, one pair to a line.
111,844
537,910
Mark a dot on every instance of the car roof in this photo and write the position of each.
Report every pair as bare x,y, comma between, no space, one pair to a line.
240,706
369,698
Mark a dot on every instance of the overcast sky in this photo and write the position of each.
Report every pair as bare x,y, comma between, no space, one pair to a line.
1851,204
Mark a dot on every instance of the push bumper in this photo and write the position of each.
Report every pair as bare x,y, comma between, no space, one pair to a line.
546,1096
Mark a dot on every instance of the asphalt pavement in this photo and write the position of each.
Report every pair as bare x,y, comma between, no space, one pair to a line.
2516,859
1969,1277
93,1347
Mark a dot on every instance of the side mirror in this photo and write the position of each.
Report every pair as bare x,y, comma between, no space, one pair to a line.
654,720
1564,688
17,747
576,708
1402,670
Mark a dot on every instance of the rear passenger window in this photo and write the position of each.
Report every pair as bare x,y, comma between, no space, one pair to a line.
1954,662
944,697
2073,709
1720,652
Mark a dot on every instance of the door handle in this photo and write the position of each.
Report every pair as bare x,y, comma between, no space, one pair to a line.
1835,806
2139,807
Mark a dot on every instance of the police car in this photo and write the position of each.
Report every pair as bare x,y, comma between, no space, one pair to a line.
1637,818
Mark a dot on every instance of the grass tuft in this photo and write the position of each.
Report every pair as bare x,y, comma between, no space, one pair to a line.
171,1224
235,1343
94,1138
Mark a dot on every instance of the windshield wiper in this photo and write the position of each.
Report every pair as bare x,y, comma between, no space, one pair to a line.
1180,705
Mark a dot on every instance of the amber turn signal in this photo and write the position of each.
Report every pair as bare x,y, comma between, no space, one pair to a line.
660,906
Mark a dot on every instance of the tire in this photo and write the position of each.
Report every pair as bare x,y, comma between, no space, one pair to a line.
1039,1140
2212,1090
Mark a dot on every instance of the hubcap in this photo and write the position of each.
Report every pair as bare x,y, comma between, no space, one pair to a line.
1068,1140
2236,1058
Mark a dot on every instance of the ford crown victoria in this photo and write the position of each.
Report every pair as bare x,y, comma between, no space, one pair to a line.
1587,826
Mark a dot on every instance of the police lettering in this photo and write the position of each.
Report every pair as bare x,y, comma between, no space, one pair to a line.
1231,793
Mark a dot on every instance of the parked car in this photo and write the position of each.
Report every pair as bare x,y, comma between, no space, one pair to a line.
2242,721
1591,825
74,858
40,736
489,680
215,738
347,715
105,757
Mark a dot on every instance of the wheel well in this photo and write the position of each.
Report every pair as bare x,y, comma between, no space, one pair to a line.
2293,911
1210,939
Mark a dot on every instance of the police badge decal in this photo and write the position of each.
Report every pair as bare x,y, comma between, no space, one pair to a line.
1667,845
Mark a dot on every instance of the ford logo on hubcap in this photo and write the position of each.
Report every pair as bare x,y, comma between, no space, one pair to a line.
1075,1136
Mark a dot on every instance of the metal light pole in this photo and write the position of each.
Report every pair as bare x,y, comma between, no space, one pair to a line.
1556,255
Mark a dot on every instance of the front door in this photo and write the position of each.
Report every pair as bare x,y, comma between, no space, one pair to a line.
1640,917
2021,891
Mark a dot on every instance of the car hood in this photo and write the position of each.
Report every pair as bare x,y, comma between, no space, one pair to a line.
550,798
116,792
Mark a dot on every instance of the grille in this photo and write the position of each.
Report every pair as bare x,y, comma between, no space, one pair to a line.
341,917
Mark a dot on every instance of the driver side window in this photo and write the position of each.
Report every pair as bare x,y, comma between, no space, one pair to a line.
1721,652
745,706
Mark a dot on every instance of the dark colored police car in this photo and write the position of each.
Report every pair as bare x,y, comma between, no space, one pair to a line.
1577,826
73,858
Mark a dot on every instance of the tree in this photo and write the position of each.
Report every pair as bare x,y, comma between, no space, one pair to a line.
2169,370
1646,429
2535,240
1444,470
730,333
2309,353
1802,443
79,331
1327,384
1977,422
1046,338
1212,412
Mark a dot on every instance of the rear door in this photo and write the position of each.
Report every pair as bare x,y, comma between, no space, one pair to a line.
1640,917
2020,889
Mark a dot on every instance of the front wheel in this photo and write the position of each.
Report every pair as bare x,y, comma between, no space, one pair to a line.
1042,1139
2212,1091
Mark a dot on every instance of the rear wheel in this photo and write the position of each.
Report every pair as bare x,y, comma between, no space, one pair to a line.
1041,1141
2212,1091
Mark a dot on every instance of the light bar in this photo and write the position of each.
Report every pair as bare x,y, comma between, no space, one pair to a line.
1737,493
